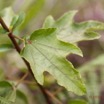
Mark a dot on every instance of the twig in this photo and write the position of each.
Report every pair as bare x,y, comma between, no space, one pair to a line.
18,38
53,97
24,76
59,90
11,36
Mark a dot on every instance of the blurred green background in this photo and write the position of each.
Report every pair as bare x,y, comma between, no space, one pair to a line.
91,66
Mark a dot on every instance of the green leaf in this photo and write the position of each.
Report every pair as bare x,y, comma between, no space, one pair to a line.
7,92
2,76
77,102
72,32
21,98
7,14
5,88
11,19
17,21
91,65
2,31
49,22
4,39
45,52
12,96
5,47
94,77
4,101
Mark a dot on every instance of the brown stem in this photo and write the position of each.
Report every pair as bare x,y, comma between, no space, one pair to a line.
54,98
27,64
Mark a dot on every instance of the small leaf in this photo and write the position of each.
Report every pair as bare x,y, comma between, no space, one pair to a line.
7,91
69,31
5,47
2,31
17,21
46,53
11,19
7,14
5,83
14,20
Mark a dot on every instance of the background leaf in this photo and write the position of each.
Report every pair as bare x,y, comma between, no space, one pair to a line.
21,98
4,101
2,31
77,102
72,32
34,9
7,93
5,47
2,76
94,77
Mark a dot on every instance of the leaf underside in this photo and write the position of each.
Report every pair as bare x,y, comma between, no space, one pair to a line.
46,53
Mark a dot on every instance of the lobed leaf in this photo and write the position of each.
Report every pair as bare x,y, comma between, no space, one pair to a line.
72,32
45,52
